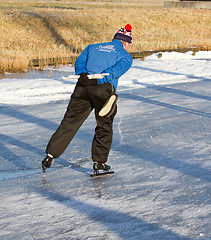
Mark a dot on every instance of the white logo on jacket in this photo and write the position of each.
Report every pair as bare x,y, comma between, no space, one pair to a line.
108,48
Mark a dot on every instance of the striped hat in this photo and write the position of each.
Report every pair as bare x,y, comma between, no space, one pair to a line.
124,34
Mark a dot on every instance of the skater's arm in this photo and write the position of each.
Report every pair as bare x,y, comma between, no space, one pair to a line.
117,70
80,64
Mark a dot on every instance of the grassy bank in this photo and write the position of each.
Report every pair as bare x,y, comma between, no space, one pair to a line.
41,29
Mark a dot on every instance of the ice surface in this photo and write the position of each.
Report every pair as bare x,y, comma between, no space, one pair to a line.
161,155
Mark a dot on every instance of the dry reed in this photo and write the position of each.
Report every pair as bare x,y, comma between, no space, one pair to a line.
41,32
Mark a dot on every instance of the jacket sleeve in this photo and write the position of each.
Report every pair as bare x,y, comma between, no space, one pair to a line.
117,70
80,64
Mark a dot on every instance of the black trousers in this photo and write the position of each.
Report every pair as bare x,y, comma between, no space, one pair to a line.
83,100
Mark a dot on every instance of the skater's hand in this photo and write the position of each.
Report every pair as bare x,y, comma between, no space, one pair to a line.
83,76
83,79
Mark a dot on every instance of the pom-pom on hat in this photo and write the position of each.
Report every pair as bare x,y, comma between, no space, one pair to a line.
124,34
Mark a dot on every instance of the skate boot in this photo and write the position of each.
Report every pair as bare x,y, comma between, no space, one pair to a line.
101,169
101,166
46,163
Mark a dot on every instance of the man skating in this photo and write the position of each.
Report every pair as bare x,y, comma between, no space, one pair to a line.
99,94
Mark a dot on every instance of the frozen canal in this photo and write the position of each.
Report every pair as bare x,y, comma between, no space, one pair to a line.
161,155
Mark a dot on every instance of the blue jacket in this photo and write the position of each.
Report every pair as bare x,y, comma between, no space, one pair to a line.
108,57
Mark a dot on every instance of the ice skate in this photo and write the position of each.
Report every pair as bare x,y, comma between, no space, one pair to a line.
101,166
46,163
101,169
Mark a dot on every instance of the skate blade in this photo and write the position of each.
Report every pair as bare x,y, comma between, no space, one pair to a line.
98,173
43,168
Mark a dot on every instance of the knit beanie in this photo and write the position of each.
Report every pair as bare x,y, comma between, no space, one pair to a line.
124,34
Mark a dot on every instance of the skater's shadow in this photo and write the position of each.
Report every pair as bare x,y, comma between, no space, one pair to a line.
120,223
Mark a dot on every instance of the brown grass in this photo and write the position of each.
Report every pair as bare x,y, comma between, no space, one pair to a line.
30,30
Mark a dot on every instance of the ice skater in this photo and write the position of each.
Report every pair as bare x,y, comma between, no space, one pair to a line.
99,94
